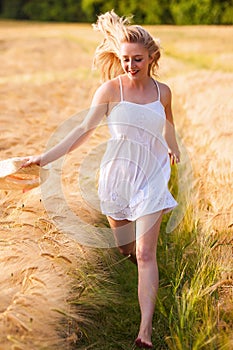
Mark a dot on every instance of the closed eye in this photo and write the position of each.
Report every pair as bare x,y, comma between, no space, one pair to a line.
136,59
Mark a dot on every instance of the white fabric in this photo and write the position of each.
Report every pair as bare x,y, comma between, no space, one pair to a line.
135,169
14,177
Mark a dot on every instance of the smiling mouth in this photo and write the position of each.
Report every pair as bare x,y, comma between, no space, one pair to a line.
133,72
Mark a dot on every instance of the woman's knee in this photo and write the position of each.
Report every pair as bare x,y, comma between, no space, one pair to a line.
145,255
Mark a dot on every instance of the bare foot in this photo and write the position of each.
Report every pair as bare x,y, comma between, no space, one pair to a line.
144,338
141,344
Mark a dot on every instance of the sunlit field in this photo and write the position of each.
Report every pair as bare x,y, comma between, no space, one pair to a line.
56,293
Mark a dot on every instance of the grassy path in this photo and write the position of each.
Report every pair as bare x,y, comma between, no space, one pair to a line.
185,315
47,83
116,323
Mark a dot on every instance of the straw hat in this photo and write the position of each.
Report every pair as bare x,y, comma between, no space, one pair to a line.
14,177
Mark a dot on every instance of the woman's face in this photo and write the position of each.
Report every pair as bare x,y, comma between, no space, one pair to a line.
135,60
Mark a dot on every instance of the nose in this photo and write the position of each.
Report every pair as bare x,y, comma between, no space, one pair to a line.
131,64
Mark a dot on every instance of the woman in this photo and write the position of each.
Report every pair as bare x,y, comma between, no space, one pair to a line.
135,169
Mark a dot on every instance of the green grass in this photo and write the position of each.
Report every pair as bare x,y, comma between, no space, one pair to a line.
115,323
185,316
104,307
186,313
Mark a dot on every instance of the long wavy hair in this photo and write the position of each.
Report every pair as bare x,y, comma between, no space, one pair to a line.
117,30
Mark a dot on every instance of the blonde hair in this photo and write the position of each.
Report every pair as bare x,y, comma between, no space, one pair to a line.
117,30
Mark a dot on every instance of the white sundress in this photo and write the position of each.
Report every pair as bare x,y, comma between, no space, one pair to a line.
135,168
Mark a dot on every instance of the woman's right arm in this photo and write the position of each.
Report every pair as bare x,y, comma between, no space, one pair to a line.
80,134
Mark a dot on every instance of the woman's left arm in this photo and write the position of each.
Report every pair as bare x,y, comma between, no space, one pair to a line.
169,132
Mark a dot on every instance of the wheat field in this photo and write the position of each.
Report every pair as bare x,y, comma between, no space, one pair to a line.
45,78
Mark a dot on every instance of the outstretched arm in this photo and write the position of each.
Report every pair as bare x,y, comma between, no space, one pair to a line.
169,132
77,136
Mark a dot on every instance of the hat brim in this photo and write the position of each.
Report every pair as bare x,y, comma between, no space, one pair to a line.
14,177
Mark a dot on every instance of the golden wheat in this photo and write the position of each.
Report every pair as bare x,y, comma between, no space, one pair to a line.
46,78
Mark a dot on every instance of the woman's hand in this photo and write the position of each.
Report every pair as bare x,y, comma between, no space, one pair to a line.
174,157
32,160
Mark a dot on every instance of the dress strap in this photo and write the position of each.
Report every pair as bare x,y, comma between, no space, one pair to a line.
121,89
157,85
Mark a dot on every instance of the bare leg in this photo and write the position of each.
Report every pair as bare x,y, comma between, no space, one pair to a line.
147,229
124,233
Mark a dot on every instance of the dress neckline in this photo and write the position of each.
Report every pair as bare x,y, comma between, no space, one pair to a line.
142,104
146,106
139,104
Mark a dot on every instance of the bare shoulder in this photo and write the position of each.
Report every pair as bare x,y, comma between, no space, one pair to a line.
165,94
106,92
